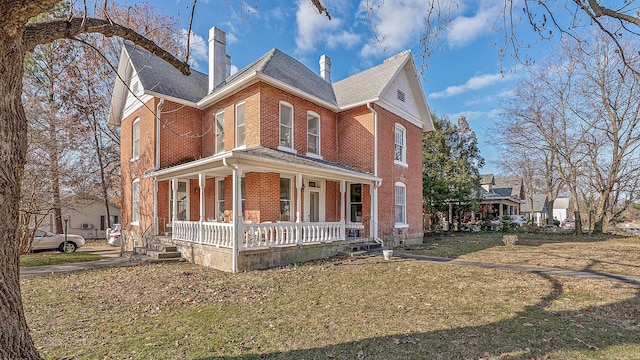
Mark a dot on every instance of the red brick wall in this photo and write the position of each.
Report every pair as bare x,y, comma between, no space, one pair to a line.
270,118
132,170
391,173
180,134
355,138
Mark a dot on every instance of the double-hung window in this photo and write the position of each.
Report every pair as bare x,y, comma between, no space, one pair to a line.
240,128
401,204
355,203
285,199
220,132
313,133
286,125
400,155
135,130
135,201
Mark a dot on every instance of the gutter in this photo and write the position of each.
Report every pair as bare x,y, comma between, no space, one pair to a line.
155,168
374,200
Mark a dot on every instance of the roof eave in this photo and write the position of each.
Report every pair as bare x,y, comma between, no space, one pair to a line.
303,94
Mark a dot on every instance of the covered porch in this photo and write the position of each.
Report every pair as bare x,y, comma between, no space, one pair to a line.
234,206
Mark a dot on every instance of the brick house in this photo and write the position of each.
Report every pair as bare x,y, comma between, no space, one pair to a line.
271,165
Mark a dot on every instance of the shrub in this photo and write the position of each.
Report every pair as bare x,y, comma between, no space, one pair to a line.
510,240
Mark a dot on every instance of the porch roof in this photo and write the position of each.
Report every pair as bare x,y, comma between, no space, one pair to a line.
261,158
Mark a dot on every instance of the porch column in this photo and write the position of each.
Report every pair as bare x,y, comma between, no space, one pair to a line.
374,208
343,189
500,211
201,184
155,206
174,202
298,197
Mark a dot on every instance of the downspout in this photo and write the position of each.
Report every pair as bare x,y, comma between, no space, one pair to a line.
374,200
155,179
234,223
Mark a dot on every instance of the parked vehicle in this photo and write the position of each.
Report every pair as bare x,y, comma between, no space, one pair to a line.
632,230
46,240
519,220
114,235
569,224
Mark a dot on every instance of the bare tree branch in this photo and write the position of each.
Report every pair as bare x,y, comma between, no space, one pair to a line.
45,32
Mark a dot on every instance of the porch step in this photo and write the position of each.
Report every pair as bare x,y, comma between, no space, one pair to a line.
160,254
361,248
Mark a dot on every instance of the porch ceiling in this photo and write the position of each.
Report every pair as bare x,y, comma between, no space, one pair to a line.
261,159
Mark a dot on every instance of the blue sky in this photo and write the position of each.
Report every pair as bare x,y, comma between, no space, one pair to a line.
464,76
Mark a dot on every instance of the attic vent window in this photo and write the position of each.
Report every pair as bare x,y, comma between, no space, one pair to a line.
134,87
401,95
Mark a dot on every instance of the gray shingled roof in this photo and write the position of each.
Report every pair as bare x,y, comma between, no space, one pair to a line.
368,84
486,179
288,70
512,185
539,204
296,159
159,76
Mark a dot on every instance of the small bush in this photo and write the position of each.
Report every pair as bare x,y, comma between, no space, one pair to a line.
510,240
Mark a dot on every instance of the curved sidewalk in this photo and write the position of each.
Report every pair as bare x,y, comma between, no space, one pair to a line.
632,280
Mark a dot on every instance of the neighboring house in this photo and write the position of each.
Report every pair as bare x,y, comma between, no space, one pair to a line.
500,196
561,209
540,206
86,217
271,165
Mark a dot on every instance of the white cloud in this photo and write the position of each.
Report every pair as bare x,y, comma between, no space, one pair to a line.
198,47
313,28
475,83
396,24
465,29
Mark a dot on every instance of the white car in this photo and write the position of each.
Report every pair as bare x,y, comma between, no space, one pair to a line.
46,240
519,220
114,235
631,230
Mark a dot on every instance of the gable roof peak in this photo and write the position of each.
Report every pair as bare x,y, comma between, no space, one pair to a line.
398,55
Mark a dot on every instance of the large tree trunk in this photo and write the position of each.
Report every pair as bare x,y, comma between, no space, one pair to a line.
15,341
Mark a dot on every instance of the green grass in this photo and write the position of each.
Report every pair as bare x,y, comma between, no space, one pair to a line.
343,308
41,259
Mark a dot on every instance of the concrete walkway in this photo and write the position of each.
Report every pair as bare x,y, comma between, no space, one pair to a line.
87,265
633,280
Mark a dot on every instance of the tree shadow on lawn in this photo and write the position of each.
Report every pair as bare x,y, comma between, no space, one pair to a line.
533,333
454,245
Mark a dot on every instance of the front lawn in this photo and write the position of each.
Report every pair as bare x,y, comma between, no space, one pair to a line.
344,308
54,258
602,253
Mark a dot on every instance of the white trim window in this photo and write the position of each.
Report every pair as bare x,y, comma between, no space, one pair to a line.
240,120
135,202
313,133
220,132
135,142
182,202
285,199
401,204
220,200
400,153
355,203
286,125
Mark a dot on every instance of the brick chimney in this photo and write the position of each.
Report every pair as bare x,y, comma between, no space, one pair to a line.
219,61
325,68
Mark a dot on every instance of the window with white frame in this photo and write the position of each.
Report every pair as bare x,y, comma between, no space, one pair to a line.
286,125
181,202
285,199
220,132
240,128
135,201
400,155
313,133
135,130
401,204
220,200
355,203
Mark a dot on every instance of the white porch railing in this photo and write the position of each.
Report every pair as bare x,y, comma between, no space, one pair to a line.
210,233
258,235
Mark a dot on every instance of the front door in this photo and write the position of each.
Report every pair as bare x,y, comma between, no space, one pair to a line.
314,206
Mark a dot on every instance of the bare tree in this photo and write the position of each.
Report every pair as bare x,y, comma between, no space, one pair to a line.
20,36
